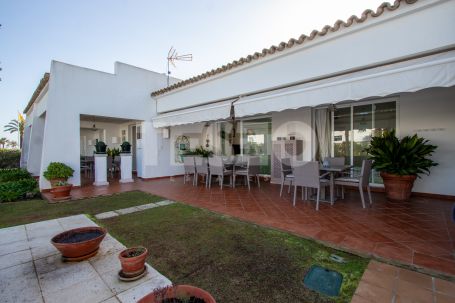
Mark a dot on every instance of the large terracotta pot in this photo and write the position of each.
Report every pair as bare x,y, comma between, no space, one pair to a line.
54,181
70,246
178,291
61,192
398,188
132,265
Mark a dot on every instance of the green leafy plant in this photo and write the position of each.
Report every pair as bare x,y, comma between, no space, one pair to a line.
14,174
199,151
17,190
126,147
113,152
57,170
61,183
100,147
9,158
408,156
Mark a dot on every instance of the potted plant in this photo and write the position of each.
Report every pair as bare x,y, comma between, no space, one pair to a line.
57,171
100,147
400,162
199,151
178,293
133,260
61,191
126,147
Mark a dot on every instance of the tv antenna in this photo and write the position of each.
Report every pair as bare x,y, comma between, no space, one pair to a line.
173,56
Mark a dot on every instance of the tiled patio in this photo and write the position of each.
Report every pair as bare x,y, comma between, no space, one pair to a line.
31,269
419,233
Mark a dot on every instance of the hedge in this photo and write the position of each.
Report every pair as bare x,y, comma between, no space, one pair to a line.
17,184
9,158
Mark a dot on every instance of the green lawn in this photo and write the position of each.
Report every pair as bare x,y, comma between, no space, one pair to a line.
22,212
233,260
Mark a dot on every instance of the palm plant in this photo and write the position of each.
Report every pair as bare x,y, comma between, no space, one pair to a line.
16,126
12,144
406,157
3,142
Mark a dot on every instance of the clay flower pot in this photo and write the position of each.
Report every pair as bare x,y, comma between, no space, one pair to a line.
61,192
398,188
176,292
133,260
79,242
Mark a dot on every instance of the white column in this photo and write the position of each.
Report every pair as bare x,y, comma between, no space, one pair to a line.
126,168
100,170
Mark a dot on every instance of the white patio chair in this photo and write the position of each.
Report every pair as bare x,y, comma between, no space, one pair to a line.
306,174
202,168
252,169
216,168
361,181
190,169
286,174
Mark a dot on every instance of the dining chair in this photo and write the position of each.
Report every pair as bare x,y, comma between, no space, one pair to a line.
286,174
216,168
189,168
202,168
110,166
361,181
251,170
306,174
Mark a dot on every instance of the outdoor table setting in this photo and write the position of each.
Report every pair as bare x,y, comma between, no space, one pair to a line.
333,170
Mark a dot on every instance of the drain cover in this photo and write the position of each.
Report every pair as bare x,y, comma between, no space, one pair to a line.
323,280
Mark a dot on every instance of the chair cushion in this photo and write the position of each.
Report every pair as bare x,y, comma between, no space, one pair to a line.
347,179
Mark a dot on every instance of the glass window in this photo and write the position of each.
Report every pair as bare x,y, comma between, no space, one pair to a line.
341,133
257,141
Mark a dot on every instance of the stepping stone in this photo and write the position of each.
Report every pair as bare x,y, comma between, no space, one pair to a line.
165,202
106,215
128,210
147,206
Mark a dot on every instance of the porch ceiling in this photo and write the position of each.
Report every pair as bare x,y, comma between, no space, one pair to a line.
92,118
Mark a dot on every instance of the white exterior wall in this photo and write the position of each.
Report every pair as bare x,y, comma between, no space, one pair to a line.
431,114
412,29
73,91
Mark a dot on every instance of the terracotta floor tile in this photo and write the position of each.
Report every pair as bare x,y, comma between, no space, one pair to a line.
407,292
373,293
444,287
418,279
385,268
444,299
394,251
435,263
380,279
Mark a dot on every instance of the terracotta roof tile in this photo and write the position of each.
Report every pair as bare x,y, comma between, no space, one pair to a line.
286,45
38,91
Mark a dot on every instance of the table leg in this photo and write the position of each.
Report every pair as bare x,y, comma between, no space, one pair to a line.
332,188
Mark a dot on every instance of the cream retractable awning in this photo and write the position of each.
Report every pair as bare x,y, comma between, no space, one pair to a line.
408,76
203,113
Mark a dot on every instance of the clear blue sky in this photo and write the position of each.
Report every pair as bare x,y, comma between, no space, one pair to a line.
96,33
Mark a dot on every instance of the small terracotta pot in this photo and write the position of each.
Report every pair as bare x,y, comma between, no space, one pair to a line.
398,188
178,291
78,249
54,181
60,192
132,265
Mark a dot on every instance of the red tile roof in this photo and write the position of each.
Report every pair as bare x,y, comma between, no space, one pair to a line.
38,91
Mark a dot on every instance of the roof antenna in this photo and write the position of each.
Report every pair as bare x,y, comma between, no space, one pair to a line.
173,56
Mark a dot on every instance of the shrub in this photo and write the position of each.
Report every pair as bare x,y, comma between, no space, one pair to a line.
57,170
9,158
199,151
408,156
16,190
14,174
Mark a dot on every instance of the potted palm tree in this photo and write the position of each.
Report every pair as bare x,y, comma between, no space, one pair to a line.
400,162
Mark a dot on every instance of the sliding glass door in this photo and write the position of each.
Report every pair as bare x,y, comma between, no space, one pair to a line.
353,127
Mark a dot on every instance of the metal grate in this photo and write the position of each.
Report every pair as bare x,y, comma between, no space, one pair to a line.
323,280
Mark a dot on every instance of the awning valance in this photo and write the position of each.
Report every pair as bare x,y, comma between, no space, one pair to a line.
408,76
204,113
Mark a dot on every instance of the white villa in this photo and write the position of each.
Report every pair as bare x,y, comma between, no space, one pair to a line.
318,95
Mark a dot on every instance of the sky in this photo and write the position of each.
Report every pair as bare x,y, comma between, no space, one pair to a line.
96,33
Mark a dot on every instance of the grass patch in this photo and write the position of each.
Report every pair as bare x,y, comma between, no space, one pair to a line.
22,212
233,260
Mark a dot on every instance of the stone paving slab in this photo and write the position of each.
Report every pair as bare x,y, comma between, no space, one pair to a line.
31,269
129,210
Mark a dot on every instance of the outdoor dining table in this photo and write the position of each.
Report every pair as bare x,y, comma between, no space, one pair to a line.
332,170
